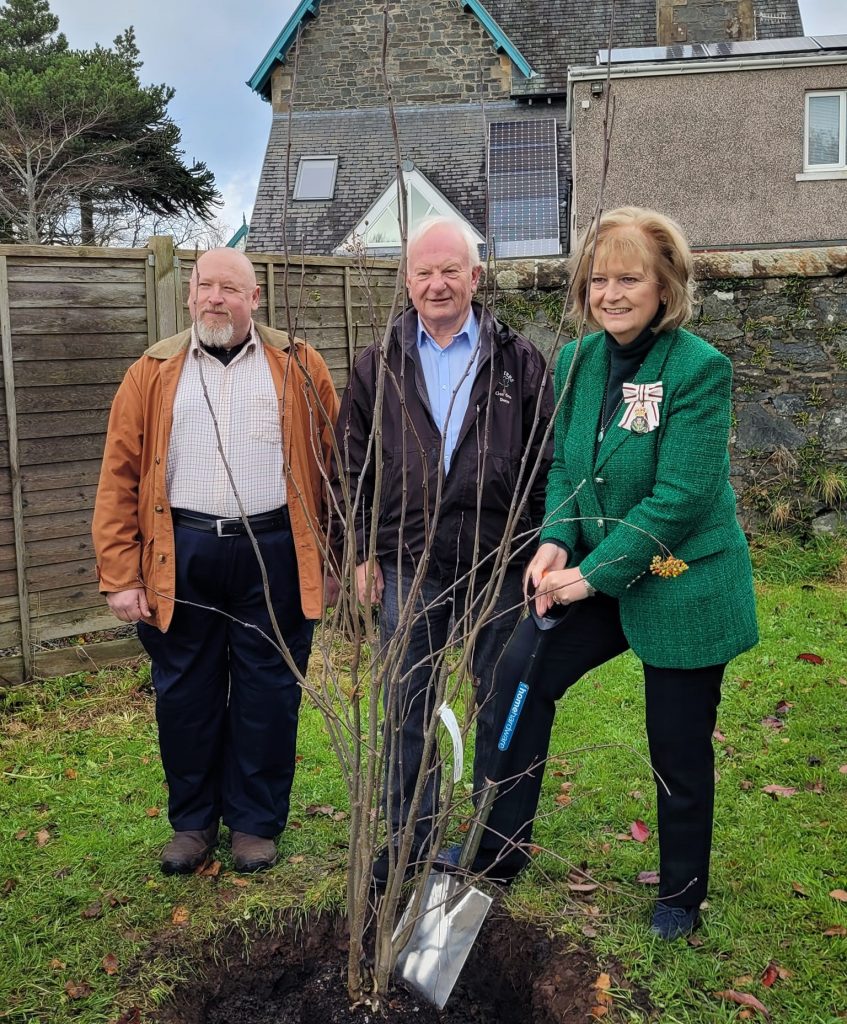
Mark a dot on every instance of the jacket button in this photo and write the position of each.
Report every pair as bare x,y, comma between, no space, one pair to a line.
158,459
599,480
159,508
162,558
600,523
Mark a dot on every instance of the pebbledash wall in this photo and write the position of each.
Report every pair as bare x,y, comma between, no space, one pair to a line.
781,317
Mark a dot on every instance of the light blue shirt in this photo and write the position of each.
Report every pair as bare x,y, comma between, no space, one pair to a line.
449,371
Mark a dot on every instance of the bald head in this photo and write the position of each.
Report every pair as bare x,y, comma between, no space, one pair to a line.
222,297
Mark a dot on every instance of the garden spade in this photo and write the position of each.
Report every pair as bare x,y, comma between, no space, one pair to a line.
452,911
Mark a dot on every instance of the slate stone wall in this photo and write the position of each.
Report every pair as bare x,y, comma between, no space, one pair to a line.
781,317
445,56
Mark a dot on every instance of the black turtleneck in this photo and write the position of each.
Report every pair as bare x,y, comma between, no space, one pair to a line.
225,355
624,362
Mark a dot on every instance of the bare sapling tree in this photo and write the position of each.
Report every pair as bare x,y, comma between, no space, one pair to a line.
357,678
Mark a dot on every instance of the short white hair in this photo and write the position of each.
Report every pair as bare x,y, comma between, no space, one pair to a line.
431,223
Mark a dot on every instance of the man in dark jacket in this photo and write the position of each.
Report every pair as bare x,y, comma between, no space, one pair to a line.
463,453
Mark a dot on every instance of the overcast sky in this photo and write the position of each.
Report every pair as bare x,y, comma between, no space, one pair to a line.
208,50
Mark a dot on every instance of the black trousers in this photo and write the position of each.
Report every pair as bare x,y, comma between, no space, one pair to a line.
681,714
226,702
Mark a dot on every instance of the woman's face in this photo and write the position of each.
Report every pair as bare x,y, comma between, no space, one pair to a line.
624,295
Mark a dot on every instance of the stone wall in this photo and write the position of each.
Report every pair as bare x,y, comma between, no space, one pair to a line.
446,56
781,316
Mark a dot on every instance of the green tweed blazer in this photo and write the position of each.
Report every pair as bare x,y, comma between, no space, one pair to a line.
667,487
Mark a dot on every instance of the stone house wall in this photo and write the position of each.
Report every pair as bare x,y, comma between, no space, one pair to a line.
781,317
445,56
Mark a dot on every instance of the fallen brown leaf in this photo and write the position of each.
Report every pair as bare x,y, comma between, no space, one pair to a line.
719,736
694,940
563,799
742,980
9,886
534,850
799,890
639,831
180,915
339,816
298,858
211,870
42,837
769,974
57,965
314,809
815,787
21,834
837,930
599,1011
603,982
589,932
78,989
152,812
624,837
778,791
772,722
109,963
295,824
744,999
242,883
843,769
839,894
92,911
783,707
70,773
813,659
583,886
565,787
636,794
117,901
648,878
131,1016
745,784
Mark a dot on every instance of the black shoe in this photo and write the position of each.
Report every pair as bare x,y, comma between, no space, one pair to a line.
187,850
252,853
379,872
502,871
671,923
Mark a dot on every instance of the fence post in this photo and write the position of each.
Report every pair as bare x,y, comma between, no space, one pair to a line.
166,283
27,653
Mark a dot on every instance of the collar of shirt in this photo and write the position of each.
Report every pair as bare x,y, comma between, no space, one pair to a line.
466,337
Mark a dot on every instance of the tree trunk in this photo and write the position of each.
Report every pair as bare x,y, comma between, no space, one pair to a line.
86,218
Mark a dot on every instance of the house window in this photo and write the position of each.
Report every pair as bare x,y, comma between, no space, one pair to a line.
523,187
379,229
316,177
825,130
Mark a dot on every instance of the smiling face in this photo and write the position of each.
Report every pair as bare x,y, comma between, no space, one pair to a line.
623,293
222,297
441,281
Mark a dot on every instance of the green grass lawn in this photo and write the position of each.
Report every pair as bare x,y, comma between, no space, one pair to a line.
83,818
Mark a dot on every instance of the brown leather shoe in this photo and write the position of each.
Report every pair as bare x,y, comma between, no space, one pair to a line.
252,853
188,850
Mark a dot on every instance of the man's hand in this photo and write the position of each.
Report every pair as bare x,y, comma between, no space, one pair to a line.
331,591
369,591
129,605
547,558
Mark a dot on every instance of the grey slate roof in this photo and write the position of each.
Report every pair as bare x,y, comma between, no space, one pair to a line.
446,143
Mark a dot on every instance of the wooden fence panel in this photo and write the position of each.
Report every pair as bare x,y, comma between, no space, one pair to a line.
72,320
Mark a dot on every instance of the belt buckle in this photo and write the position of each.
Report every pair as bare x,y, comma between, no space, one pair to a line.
219,527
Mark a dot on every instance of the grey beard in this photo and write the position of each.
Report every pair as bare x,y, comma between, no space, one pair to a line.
214,337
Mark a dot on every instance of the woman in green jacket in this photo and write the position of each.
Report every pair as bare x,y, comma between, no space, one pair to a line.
640,541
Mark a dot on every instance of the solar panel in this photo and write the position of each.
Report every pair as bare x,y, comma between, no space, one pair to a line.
523,187
754,47
831,42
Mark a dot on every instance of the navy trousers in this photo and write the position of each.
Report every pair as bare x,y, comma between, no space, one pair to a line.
409,698
226,702
681,711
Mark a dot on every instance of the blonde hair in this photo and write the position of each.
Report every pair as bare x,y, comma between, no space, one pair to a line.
635,232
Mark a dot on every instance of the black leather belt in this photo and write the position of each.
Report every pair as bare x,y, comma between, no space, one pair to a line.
260,523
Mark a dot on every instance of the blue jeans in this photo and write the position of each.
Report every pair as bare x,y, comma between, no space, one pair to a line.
408,714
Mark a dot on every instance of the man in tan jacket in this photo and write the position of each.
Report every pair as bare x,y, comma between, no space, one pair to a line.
173,553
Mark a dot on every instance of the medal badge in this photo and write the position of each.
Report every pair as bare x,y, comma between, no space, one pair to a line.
641,407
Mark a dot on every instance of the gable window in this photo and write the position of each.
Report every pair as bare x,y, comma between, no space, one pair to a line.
379,229
316,177
523,187
826,135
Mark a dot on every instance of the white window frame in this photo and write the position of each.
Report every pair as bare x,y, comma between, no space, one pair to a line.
423,185
297,181
818,172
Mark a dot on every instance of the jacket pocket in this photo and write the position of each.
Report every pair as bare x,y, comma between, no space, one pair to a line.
699,545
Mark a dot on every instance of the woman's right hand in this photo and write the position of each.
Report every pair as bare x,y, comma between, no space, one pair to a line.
546,559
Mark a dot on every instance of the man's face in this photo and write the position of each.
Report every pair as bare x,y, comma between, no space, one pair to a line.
222,297
441,281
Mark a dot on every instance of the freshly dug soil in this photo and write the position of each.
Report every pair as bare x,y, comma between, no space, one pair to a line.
515,975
